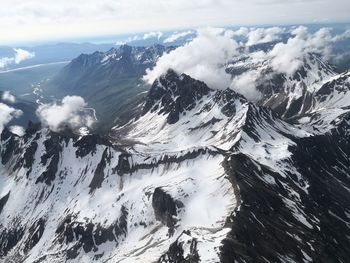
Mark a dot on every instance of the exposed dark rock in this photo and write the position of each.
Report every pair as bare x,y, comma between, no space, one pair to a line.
229,98
87,144
165,208
6,134
9,239
29,155
49,175
3,201
35,233
102,235
88,236
175,253
206,124
98,178
176,94
32,128
9,148
53,148
123,166
167,159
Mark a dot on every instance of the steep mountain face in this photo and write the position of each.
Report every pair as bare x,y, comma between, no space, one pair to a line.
108,81
329,106
290,95
200,175
123,61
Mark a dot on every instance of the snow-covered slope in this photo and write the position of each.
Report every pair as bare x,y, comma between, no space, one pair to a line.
82,199
330,104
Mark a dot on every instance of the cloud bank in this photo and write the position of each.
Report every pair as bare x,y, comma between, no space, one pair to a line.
208,55
203,58
245,84
71,112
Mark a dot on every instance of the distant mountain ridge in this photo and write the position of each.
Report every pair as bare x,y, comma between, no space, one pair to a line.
50,53
109,81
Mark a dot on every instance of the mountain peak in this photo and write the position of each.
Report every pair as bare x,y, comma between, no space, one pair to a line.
173,93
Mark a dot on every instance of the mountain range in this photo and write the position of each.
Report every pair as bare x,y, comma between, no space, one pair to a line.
190,174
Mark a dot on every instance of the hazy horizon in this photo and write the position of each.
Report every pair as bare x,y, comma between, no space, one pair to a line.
115,38
34,21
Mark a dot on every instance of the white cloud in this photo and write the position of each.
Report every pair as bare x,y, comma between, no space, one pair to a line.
263,35
177,36
242,31
288,57
149,35
22,55
343,36
70,112
7,113
18,130
157,34
202,58
245,84
8,97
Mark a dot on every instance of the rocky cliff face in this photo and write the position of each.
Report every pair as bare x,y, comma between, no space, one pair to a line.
200,176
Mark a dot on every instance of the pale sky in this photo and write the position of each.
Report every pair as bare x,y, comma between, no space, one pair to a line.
32,20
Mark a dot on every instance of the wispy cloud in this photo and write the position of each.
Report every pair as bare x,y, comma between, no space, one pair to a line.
150,35
177,36
7,113
8,97
263,35
157,35
71,112
22,55
19,56
288,57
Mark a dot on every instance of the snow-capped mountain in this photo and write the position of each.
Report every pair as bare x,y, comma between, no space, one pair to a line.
289,94
200,175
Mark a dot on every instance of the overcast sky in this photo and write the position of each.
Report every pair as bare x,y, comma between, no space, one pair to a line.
30,20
